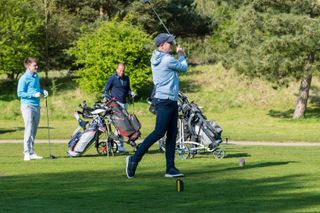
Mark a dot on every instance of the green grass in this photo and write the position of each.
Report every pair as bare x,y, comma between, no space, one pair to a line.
246,109
275,179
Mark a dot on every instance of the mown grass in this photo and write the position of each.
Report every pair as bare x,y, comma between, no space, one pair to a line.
275,179
246,109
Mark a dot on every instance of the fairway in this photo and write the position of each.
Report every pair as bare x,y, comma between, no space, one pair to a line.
275,179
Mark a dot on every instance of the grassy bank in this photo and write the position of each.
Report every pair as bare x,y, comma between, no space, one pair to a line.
246,109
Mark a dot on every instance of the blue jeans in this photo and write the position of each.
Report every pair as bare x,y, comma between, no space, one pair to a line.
31,117
166,122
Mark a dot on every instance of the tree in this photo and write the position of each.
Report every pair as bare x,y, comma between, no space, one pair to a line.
181,17
100,51
58,30
19,30
91,10
274,40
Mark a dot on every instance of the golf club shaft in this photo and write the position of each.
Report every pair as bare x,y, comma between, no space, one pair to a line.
48,126
161,22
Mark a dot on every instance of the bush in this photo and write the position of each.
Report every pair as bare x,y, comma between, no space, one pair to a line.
100,51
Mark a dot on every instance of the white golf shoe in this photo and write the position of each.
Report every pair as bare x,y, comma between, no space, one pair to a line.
35,157
26,157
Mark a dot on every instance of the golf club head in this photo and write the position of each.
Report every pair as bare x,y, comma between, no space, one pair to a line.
146,1
52,157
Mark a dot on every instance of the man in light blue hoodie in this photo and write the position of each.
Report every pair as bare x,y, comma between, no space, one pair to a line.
165,70
29,92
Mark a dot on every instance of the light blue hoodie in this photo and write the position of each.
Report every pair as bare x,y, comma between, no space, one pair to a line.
29,84
165,74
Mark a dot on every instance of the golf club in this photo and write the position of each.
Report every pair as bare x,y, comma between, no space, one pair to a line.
148,2
50,155
132,104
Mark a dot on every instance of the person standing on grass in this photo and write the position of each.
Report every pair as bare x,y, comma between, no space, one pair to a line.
166,84
29,92
118,86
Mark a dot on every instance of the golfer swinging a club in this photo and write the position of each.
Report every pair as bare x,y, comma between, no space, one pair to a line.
166,82
29,92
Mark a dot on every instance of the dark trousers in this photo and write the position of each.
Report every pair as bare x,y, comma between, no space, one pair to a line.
166,122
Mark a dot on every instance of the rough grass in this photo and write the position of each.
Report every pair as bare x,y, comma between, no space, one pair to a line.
275,179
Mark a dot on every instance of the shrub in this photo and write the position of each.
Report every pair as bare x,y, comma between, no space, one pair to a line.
98,53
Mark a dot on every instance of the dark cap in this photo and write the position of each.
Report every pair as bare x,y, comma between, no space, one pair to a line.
162,38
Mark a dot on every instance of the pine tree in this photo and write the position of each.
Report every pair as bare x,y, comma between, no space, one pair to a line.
275,40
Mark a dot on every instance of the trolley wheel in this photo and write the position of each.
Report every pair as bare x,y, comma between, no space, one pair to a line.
218,153
183,152
112,147
193,149
107,148
102,148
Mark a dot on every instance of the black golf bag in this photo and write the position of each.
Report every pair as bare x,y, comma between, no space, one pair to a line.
196,126
126,124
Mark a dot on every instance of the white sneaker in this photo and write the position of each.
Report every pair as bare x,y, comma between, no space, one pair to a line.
35,157
122,149
27,157
72,153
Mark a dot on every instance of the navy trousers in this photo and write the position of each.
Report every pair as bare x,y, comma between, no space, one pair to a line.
166,122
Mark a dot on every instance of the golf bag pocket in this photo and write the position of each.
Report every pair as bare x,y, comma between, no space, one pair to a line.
209,133
85,141
135,122
135,135
74,140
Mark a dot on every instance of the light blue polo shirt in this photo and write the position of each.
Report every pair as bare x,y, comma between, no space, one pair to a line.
28,85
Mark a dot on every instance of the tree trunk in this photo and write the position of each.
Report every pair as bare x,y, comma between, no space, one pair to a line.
46,17
10,75
303,97
101,10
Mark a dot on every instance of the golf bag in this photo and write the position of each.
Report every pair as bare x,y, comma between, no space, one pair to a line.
87,132
110,112
195,133
126,124
196,126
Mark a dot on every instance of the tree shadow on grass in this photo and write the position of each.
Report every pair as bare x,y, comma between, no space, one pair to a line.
105,189
16,129
19,129
188,86
8,89
310,113
237,155
260,165
59,84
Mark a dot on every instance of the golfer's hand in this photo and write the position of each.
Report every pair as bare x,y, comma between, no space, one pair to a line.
180,50
37,94
45,93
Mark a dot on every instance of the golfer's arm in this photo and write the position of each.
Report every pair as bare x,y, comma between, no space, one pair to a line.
108,86
22,88
179,65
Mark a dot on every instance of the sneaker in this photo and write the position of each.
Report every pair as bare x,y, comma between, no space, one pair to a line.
130,167
35,157
122,149
71,153
174,172
27,157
